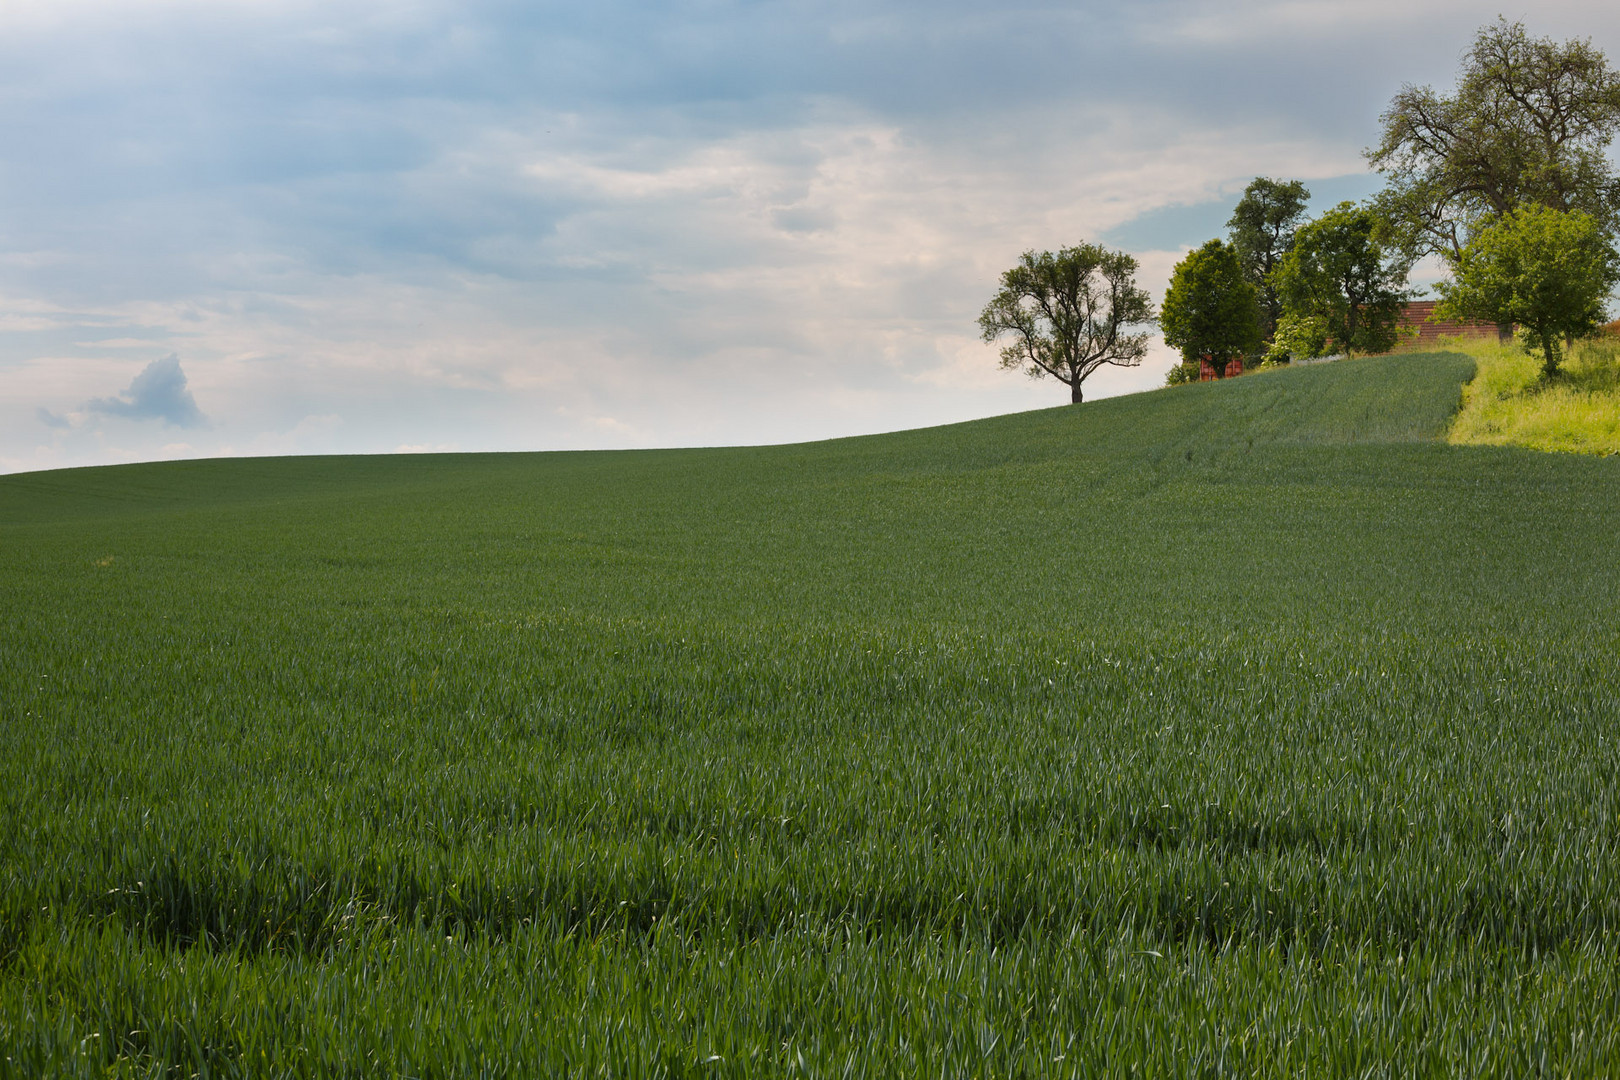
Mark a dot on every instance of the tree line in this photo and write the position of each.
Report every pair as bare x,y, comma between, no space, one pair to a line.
1506,180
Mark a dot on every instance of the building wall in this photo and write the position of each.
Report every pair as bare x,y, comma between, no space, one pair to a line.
1419,314
1206,369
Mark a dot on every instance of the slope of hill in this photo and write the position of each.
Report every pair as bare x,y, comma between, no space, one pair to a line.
1241,728
1383,399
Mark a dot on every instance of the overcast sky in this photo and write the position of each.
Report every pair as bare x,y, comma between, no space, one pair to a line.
276,226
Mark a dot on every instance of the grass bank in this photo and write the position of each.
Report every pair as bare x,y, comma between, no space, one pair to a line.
1244,729
1511,403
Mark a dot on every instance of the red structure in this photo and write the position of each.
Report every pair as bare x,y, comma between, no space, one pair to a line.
1206,368
1420,314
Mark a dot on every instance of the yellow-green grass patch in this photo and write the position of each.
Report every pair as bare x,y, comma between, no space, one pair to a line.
1511,403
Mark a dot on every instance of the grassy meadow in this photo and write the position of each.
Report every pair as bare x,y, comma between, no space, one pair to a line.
1511,403
1236,729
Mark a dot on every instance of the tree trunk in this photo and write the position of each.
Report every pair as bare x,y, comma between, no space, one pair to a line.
1549,363
1074,392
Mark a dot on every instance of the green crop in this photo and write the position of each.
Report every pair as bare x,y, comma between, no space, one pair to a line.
1235,729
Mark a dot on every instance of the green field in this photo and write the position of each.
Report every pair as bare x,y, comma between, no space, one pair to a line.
1238,729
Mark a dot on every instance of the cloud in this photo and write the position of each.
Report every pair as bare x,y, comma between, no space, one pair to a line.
158,393
52,420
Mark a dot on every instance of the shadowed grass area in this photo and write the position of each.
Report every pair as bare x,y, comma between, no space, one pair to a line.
1512,403
1235,729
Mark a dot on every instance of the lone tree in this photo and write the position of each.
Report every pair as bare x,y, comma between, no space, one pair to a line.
1339,273
1262,231
1210,308
1530,123
1547,270
1068,314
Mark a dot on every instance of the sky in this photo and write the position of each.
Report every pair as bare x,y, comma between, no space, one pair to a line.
248,227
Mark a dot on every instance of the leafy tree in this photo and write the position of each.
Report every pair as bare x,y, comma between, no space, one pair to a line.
1338,272
1546,270
1299,336
1182,373
1530,123
1211,309
1262,230
1068,314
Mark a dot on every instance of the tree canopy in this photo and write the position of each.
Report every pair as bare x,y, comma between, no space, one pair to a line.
1262,232
1339,272
1300,337
1210,308
1069,313
1530,122
1547,270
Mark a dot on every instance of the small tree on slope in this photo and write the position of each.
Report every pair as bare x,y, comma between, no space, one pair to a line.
1547,270
1069,313
1210,309
1340,273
